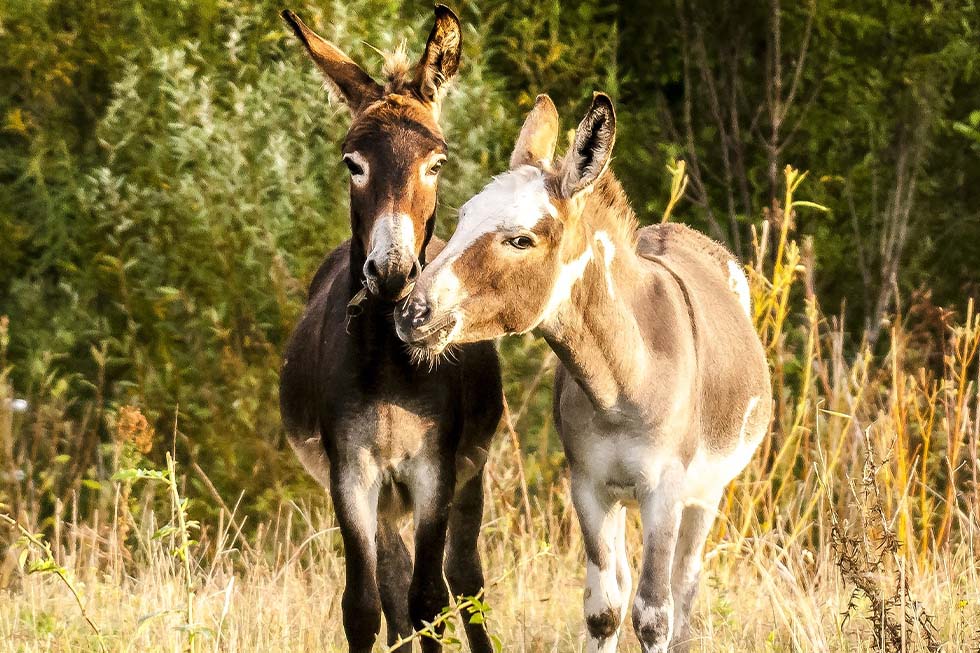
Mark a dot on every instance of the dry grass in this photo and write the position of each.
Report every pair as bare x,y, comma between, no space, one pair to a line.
763,591
853,529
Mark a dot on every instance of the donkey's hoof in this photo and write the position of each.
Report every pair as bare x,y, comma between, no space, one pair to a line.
653,626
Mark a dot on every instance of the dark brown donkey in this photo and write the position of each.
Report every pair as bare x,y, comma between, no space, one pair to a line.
383,435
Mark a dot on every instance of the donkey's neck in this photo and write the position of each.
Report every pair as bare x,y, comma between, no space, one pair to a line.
596,330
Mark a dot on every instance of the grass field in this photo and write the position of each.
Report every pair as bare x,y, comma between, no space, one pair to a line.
853,529
763,591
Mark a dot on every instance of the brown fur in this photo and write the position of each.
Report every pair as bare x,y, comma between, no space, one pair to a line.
384,435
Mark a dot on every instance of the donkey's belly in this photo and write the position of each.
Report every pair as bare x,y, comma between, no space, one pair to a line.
624,465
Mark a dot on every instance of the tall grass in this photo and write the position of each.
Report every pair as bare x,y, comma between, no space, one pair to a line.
853,528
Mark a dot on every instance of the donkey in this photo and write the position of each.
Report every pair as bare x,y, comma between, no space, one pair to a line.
383,435
662,393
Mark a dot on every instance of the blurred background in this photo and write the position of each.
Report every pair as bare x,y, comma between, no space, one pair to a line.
170,179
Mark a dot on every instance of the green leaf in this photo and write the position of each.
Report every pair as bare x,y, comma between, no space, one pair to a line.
139,474
498,645
810,205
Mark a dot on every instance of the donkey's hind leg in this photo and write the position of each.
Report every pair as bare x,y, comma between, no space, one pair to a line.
394,579
464,570
432,494
653,608
696,521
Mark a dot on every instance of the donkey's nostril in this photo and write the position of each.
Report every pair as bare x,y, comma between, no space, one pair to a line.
371,269
413,274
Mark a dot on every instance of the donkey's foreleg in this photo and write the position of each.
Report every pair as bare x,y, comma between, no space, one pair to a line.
653,608
696,522
464,570
355,499
432,494
607,588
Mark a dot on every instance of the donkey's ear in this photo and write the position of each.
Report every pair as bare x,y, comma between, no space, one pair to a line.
536,142
589,155
354,86
440,61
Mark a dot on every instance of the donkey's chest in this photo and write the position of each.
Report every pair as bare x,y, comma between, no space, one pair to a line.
388,432
622,450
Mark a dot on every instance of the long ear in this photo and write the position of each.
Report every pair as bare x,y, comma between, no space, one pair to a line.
536,142
353,85
440,61
591,149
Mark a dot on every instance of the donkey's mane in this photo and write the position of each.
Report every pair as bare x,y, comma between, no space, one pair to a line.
397,70
608,207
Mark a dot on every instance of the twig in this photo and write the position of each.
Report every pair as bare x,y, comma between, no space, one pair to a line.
525,496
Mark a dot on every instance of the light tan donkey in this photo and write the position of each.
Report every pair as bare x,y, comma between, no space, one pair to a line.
663,391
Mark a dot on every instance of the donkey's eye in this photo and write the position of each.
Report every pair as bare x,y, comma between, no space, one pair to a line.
355,168
436,166
521,242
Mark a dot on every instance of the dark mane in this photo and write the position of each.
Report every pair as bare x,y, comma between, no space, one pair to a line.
609,208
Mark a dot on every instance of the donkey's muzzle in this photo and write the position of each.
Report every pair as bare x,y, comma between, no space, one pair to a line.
416,324
391,279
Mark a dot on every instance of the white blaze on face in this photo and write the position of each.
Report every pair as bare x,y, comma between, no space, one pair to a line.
359,180
513,201
608,253
393,234
446,289
739,285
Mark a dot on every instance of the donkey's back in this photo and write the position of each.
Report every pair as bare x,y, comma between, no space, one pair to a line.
733,380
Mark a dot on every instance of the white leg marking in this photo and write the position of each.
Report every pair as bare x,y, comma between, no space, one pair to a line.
653,607
601,523
624,574
602,592
739,285
608,253
361,487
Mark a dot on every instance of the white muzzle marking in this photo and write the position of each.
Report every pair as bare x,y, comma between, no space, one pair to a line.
393,236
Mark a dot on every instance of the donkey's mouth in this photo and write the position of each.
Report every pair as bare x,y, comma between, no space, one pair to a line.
427,343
